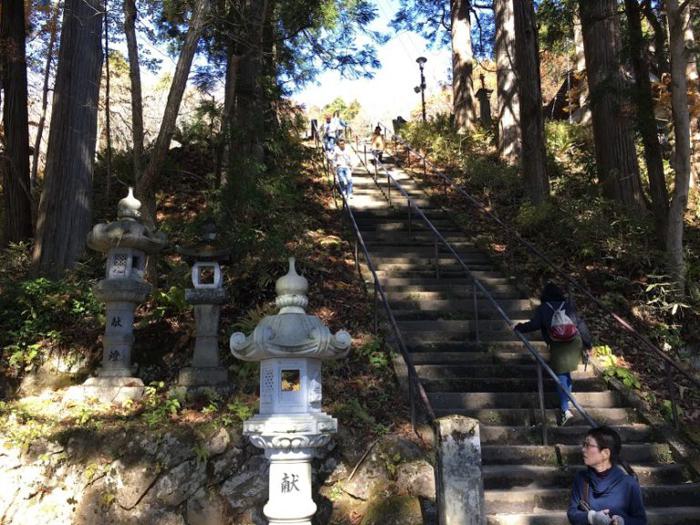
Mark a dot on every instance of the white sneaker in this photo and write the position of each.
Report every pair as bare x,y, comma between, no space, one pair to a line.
566,416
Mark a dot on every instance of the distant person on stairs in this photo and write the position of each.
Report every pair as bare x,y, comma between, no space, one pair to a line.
567,336
607,492
378,144
342,159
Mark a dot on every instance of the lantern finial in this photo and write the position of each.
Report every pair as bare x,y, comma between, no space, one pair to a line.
291,291
129,206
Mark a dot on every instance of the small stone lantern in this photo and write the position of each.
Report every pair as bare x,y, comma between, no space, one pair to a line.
290,426
127,242
483,96
207,296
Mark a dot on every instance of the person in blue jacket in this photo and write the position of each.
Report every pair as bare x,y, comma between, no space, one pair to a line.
564,355
607,492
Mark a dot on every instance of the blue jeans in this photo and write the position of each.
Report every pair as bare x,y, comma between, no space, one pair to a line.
345,180
565,380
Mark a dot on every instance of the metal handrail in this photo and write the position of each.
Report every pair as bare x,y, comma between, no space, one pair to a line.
670,362
379,292
476,283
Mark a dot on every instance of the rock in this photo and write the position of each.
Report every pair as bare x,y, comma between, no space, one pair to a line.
206,508
181,482
218,443
173,451
416,478
133,482
399,449
249,487
394,510
370,478
226,464
57,371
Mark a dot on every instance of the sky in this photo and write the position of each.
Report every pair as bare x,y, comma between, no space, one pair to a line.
390,93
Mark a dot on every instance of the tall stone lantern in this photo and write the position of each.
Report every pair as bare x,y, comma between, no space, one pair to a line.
127,243
291,425
207,296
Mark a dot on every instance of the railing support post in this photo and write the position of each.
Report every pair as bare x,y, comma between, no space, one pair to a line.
365,152
476,312
409,218
543,412
388,186
376,313
357,261
437,261
672,394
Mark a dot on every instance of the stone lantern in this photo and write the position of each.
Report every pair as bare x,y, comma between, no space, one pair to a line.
127,243
290,426
207,296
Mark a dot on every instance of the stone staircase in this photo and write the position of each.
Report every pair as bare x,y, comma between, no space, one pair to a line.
495,379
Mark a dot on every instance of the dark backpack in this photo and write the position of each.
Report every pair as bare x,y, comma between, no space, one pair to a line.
561,329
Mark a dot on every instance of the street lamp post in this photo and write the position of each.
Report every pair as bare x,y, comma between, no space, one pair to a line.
421,62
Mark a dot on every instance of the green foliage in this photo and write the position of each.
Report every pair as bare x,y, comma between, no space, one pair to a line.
171,301
374,353
240,409
158,407
612,369
347,111
37,312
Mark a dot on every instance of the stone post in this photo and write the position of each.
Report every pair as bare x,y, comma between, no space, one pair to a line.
127,243
290,426
207,296
460,489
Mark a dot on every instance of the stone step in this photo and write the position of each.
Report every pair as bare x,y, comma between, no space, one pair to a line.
448,269
556,455
568,435
481,400
531,416
486,337
401,224
444,261
459,325
655,516
456,292
382,273
424,345
499,384
477,356
394,213
389,282
530,500
414,240
506,477
449,285
406,311
499,372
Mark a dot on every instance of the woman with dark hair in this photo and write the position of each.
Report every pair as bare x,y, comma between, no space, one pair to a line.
567,336
607,492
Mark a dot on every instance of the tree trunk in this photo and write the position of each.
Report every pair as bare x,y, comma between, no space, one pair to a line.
108,117
16,188
462,66
527,64
694,85
246,152
660,38
616,158
681,155
583,116
64,216
509,141
232,63
53,30
135,79
646,121
145,187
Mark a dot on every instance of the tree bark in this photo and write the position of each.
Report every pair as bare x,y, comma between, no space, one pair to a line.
616,160
145,187
16,186
108,117
53,30
462,67
135,80
509,140
694,86
660,38
681,155
232,63
64,215
246,152
646,121
584,113
529,89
